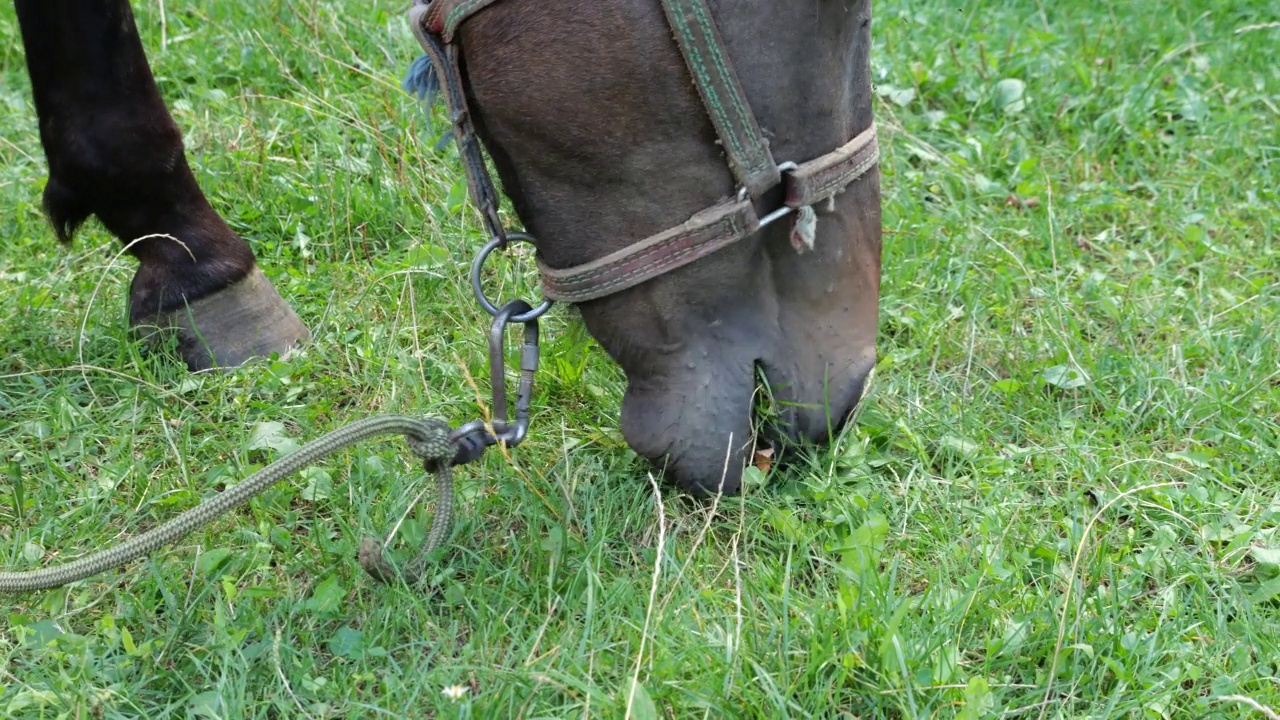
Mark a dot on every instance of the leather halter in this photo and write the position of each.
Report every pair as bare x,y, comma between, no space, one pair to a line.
436,22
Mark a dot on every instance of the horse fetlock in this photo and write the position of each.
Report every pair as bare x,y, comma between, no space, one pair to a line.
248,319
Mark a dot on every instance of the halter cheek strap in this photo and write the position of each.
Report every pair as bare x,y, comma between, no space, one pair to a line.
435,23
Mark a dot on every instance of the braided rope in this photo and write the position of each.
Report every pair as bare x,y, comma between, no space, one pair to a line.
427,438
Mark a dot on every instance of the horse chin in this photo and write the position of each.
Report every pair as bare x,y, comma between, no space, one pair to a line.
694,427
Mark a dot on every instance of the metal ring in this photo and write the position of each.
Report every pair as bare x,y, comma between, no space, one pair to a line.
478,264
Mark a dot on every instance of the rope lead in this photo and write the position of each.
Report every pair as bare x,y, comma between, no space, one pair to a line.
429,439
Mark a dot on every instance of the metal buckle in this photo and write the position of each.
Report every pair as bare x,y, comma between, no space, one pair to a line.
780,212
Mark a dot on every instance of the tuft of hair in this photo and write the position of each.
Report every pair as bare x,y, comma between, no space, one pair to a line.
65,209
421,80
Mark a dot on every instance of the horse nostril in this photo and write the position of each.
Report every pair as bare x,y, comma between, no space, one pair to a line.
789,415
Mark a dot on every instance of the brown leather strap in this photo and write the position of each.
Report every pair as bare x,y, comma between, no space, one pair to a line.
822,177
446,16
722,96
445,59
709,230
702,234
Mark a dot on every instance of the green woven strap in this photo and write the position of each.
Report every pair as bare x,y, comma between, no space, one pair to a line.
726,104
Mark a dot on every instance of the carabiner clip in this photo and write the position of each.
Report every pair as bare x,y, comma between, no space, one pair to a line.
512,431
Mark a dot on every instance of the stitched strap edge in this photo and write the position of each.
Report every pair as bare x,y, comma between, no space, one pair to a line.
704,233
726,104
824,176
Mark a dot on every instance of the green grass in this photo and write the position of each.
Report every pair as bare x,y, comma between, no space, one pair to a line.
1060,500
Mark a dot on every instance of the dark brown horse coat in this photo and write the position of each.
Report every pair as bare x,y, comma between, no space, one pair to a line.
600,139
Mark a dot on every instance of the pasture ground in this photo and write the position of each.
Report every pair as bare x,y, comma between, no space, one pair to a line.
1060,500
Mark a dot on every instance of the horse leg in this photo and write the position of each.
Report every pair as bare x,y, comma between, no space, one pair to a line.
115,152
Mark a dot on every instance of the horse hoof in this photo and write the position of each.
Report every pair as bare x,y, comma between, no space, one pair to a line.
246,320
